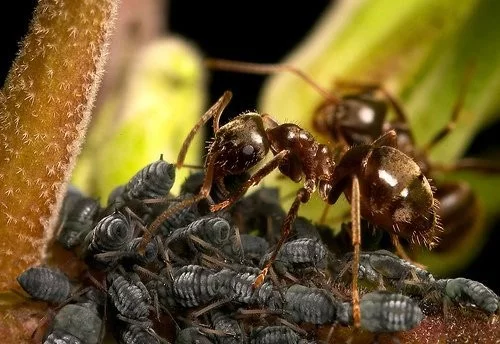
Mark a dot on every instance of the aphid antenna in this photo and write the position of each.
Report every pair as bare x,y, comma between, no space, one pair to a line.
294,327
208,308
145,272
154,334
207,246
215,262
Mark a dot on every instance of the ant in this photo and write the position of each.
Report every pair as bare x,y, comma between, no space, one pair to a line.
360,118
383,184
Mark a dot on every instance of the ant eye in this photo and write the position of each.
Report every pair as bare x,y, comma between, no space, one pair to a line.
248,150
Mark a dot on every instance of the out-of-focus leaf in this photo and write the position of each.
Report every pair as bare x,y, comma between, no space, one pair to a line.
420,50
163,97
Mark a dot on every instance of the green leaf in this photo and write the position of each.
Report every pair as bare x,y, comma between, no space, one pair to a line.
163,97
421,51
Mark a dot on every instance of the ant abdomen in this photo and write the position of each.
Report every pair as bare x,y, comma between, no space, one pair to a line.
395,194
358,119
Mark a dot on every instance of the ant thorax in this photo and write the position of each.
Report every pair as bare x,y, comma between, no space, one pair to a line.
306,155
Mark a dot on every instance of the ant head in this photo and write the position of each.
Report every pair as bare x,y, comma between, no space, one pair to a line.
357,119
240,144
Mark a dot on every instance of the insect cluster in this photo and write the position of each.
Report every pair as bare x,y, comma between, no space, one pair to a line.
194,278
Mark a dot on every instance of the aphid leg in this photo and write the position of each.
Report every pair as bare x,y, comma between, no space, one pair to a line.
194,239
208,308
214,111
402,252
457,108
356,243
261,68
303,196
253,180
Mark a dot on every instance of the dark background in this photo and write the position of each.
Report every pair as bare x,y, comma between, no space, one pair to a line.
252,31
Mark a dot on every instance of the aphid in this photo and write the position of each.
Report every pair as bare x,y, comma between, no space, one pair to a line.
311,305
191,335
388,312
136,334
301,254
254,247
469,292
229,328
129,296
130,255
46,284
260,211
60,337
273,335
79,221
80,322
112,233
194,285
239,287
383,268
153,181
213,230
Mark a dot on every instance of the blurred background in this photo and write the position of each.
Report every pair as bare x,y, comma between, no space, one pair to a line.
250,31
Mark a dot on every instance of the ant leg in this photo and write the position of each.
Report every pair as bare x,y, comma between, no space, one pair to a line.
402,252
356,243
214,111
262,68
324,214
457,108
253,180
469,164
204,192
303,196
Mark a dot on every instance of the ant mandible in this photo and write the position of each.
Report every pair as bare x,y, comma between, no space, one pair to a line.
383,184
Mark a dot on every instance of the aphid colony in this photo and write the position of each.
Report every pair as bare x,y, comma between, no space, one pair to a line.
194,281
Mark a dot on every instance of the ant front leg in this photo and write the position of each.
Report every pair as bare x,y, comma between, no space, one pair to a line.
253,180
356,243
303,196
214,111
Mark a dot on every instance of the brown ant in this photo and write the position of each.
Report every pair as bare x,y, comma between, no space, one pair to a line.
360,118
383,184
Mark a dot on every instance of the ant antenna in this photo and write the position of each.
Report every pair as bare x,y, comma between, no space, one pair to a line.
258,68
